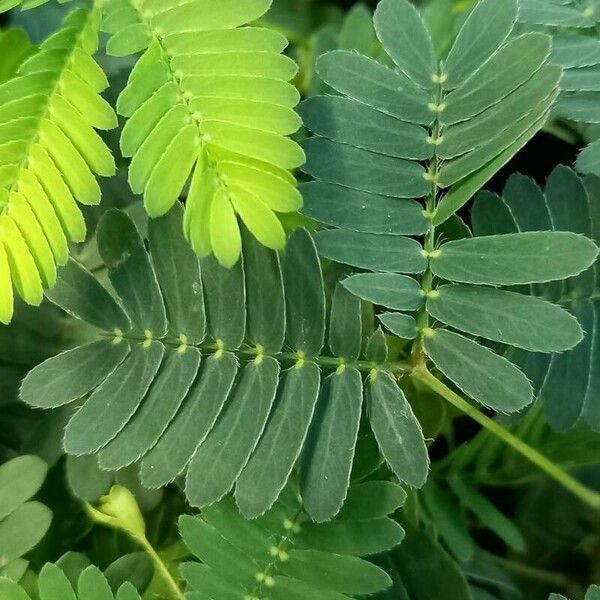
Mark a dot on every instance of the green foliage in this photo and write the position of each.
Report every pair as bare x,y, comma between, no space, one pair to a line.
50,153
242,402
524,207
15,48
469,107
24,4
189,387
284,555
53,584
23,522
217,105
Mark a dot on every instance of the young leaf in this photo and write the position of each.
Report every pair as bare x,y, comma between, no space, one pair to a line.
209,100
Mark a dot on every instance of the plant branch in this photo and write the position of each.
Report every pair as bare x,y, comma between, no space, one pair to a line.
161,568
585,494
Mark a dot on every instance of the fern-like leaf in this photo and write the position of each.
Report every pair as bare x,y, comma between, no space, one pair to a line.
416,132
284,555
218,372
49,152
209,99
525,207
53,584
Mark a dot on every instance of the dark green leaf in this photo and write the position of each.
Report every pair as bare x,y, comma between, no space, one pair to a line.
374,252
329,448
220,459
358,538
526,321
397,430
387,289
72,374
178,273
529,257
405,38
226,320
371,500
101,417
345,329
167,392
347,121
265,299
305,295
363,170
131,273
270,466
477,371
80,294
485,30
345,574
193,421
403,326
375,85
360,211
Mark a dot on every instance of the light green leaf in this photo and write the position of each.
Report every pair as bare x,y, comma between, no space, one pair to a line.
54,585
23,529
20,479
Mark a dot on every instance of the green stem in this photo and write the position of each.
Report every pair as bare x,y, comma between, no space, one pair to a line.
526,572
329,362
161,568
586,495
